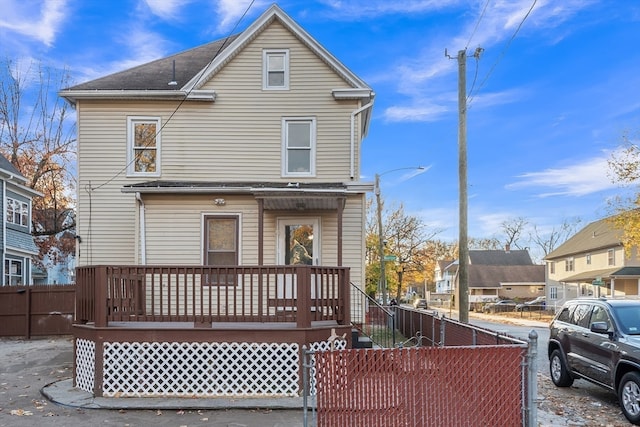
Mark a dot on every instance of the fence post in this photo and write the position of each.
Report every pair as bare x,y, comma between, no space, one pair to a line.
442,329
28,314
532,380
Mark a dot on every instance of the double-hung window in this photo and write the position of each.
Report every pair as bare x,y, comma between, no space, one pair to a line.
143,141
17,212
569,264
298,146
275,69
611,257
12,272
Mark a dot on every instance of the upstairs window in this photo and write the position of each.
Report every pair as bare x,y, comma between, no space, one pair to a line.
17,212
611,255
298,146
275,66
552,267
588,259
568,264
143,140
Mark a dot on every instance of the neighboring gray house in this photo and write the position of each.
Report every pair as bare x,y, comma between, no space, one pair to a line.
17,243
499,274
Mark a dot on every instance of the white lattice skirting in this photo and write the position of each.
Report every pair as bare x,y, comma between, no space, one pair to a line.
159,369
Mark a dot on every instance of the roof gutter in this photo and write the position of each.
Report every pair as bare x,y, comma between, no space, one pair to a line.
194,95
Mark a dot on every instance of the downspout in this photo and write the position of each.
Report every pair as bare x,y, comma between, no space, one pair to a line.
353,136
143,231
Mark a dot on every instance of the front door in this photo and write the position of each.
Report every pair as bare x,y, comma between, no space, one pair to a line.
298,241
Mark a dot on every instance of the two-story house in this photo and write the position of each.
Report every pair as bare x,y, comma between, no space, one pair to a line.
592,263
17,243
220,189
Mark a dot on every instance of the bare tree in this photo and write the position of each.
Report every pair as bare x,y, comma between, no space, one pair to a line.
513,230
37,136
548,240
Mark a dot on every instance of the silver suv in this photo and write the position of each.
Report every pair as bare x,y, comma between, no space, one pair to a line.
599,340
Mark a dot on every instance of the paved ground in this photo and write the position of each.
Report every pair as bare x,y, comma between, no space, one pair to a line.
35,389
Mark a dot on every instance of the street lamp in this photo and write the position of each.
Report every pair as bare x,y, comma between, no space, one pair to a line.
382,286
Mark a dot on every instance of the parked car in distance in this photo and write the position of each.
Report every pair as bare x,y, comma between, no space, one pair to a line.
598,339
420,303
500,306
537,304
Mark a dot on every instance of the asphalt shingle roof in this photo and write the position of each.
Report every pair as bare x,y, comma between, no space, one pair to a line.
497,257
157,74
596,235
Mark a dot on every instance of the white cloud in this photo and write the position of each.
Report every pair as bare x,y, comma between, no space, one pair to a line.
425,113
230,11
590,176
356,9
420,78
38,20
166,9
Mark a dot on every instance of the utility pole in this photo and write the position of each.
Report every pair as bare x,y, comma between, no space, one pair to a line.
382,284
463,238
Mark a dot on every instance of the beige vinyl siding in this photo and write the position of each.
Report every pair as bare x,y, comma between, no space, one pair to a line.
236,138
179,222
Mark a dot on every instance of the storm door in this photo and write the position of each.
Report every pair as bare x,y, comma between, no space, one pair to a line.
298,241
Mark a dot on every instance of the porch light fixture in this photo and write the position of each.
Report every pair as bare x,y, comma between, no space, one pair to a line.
381,241
220,202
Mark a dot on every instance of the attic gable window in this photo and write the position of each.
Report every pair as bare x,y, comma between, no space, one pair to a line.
143,142
275,69
298,146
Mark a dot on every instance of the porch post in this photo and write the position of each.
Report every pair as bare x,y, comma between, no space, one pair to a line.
345,287
260,231
303,300
100,297
613,287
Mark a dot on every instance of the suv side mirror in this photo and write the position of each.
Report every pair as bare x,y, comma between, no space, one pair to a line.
600,327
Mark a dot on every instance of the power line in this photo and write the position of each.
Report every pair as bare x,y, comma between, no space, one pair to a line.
504,51
182,101
473,33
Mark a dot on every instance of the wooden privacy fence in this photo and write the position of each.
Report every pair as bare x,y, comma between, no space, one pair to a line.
36,310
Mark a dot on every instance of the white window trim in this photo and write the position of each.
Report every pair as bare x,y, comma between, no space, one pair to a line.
285,151
13,201
265,69
131,120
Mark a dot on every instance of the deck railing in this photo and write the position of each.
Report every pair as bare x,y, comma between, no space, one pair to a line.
204,294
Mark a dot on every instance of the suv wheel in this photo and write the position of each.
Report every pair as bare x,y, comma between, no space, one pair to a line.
559,373
629,396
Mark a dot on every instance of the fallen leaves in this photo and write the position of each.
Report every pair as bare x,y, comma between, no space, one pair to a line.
21,412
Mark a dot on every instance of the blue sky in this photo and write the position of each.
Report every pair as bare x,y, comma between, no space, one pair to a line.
552,94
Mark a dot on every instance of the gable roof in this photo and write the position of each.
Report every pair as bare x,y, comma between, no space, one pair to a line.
499,257
7,168
194,67
599,234
494,276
